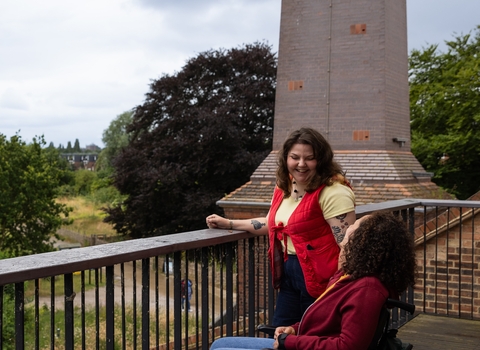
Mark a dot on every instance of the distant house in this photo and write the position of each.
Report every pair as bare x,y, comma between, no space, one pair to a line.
93,147
78,161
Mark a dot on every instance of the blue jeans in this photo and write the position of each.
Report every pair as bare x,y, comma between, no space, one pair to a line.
188,304
293,298
242,343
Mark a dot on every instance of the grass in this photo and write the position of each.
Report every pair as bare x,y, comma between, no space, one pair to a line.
45,285
132,334
87,217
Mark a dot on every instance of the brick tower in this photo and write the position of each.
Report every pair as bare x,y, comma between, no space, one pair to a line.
343,70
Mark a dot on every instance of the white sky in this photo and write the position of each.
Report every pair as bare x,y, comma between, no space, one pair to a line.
68,68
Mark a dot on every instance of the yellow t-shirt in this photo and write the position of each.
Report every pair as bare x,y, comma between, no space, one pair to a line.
334,200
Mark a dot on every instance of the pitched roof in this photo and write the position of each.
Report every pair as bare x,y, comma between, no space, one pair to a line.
446,219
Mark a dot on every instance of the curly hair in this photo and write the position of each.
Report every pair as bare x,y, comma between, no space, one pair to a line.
327,170
382,247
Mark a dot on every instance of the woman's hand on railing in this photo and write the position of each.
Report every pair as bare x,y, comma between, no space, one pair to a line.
257,226
216,221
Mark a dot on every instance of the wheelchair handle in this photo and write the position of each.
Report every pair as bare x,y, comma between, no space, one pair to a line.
401,305
267,329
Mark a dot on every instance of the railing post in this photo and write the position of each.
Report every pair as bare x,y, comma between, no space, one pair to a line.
1,317
69,298
177,292
229,285
167,297
205,323
52,312
447,270
97,309
411,229
83,331
251,287
460,258
472,262
37,314
145,304
122,297
110,308
19,316
157,304
186,305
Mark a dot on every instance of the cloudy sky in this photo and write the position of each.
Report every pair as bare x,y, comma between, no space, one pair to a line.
68,68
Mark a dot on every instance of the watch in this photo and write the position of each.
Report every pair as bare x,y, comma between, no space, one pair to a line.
281,340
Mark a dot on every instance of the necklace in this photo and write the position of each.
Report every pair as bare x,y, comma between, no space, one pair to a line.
296,196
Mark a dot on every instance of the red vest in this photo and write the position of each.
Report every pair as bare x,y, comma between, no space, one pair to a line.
312,238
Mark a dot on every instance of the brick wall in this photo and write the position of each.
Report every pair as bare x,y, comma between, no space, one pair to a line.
449,272
343,69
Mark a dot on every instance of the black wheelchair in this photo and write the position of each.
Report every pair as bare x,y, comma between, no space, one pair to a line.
384,338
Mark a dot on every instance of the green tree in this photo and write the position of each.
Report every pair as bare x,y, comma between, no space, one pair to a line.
102,192
69,147
199,135
445,113
115,138
76,146
83,181
8,315
66,173
29,215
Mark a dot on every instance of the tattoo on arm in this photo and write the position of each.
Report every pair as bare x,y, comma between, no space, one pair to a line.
257,225
337,232
340,230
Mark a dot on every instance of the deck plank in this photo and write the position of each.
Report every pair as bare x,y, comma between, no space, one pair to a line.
428,332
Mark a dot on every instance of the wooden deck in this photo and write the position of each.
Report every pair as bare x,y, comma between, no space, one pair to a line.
427,332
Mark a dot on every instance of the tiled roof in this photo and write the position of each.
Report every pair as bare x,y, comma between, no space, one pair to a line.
445,220
252,191
381,192
381,166
376,176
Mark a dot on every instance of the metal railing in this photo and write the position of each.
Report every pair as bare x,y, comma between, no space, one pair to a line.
128,295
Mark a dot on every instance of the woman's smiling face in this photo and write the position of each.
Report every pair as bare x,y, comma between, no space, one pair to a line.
301,163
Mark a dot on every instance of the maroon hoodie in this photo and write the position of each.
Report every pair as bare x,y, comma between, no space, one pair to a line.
345,317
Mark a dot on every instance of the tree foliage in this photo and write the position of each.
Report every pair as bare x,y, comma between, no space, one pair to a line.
83,181
445,113
115,137
199,135
29,215
76,146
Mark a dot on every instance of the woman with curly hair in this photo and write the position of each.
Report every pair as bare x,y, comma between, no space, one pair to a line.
312,207
377,262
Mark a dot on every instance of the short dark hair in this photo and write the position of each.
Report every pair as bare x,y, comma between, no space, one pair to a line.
382,247
323,153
